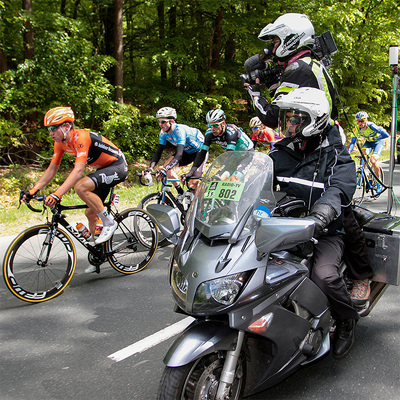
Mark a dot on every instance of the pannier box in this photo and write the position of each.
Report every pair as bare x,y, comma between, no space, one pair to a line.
382,235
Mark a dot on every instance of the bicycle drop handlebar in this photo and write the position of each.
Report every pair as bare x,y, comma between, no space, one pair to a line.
163,180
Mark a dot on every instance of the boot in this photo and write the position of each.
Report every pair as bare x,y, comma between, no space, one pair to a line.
344,337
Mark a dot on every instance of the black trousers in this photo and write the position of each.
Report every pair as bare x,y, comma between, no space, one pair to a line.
325,265
355,250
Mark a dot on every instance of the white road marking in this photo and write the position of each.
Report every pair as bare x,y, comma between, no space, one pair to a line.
151,341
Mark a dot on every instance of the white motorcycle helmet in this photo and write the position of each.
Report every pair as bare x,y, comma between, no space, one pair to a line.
303,111
295,32
166,112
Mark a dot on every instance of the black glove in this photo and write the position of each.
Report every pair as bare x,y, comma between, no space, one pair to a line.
322,215
254,90
28,194
188,175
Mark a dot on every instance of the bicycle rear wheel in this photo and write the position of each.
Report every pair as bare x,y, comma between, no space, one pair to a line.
134,242
374,184
155,198
38,265
358,196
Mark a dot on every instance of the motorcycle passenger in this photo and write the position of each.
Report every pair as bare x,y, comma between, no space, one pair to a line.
228,136
374,136
292,37
311,163
262,134
188,142
88,148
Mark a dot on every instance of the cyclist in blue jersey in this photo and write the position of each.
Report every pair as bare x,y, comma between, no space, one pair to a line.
228,136
188,142
374,136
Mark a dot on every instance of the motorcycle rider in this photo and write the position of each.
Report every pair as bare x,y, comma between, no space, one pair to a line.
311,163
293,37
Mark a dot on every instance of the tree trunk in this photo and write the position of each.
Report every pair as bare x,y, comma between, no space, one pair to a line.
3,62
119,50
27,34
215,48
172,17
161,35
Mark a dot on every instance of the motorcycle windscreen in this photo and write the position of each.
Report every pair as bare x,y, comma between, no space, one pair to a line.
235,181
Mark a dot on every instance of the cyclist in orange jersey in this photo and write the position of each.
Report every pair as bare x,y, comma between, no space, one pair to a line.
88,148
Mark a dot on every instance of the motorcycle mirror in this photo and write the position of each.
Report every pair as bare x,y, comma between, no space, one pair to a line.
280,233
167,220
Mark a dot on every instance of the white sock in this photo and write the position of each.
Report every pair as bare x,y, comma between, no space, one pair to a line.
106,218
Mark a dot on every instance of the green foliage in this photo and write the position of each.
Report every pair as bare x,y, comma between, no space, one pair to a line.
188,56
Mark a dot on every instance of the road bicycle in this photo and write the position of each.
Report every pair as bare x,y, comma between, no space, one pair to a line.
367,181
165,196
40,261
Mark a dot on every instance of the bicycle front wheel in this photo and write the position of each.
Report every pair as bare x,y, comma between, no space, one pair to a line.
358,196
39,264
134,243
155,198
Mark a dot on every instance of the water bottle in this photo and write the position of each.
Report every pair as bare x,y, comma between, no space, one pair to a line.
99,227
83,230
148,179
188,198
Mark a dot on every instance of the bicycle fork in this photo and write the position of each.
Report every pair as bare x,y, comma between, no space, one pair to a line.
43,258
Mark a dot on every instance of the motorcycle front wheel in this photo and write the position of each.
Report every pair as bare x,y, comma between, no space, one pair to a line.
200,379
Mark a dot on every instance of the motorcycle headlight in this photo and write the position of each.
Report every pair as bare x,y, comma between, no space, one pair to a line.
179,282
219,293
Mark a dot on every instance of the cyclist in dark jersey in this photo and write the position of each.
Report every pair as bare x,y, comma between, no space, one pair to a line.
228,136
88,148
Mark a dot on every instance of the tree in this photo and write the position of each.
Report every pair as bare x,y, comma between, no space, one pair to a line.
27,30
119,51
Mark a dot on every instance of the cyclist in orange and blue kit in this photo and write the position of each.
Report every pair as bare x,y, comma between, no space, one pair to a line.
88,148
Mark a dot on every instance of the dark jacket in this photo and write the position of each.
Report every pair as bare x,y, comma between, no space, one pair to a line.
335,173
304,71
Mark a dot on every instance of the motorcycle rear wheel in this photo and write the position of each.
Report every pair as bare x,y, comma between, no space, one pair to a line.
200,379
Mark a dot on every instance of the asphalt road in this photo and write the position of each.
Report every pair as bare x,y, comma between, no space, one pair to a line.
60,349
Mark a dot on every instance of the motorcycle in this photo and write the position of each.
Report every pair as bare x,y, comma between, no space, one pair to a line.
239,268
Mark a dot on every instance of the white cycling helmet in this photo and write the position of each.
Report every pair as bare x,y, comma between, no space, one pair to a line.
255,123
214,116
361,115
303,111
295,32
166,112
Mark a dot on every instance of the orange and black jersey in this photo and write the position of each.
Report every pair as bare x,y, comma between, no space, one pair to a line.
88,147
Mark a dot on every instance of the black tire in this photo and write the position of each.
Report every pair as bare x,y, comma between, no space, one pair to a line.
134,241
26,273
199,380
155,198
359,194
398,158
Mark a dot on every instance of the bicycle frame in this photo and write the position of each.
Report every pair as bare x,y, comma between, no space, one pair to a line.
59,218
364,160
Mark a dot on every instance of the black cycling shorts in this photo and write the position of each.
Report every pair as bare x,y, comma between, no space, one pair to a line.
107,177
189,158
